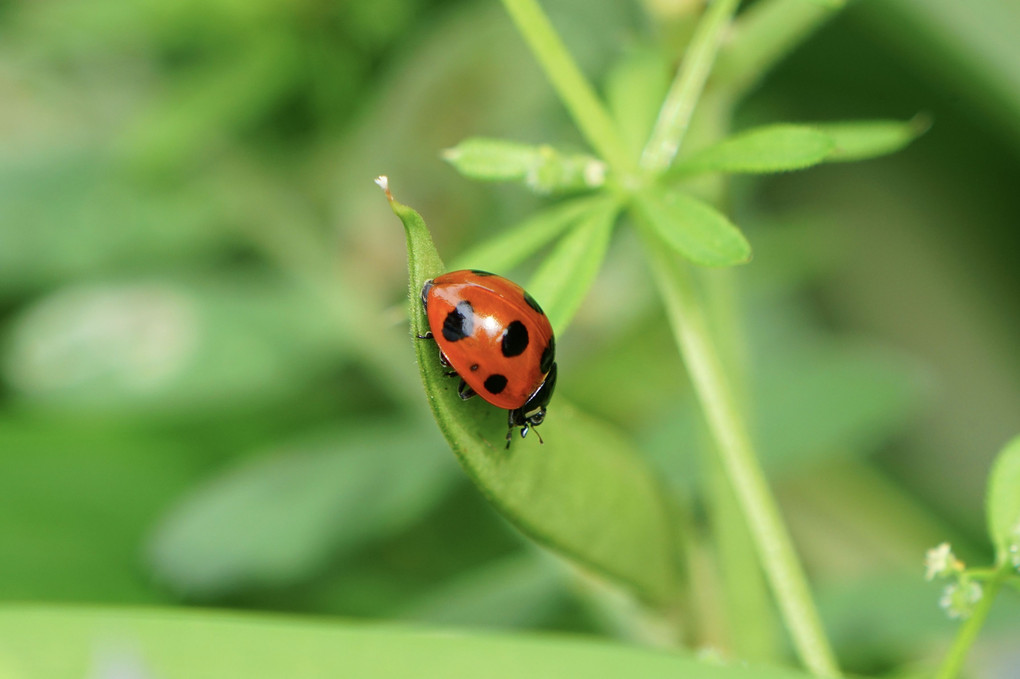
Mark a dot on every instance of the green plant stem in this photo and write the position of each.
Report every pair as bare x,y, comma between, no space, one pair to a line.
775,548
763,35
969,630
574,90
677,109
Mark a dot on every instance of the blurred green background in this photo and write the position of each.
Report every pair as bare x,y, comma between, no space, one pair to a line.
207,395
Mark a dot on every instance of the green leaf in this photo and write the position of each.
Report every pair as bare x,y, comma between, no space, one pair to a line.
635,89
1003,502
542,169
863,139
693,228
514,245
162,347
774,148
38,642
567,274
586,493
492,159
289,512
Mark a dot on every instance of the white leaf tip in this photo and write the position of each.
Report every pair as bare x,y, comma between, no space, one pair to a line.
383,182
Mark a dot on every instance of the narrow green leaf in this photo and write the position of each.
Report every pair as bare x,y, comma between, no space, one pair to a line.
492,159
863,139
568,272
512,246
774,148
635,88
1003,502
585,493
693,228
290,511
49,642
542,169
575,91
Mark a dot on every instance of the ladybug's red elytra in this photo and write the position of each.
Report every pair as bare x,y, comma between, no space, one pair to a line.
496,337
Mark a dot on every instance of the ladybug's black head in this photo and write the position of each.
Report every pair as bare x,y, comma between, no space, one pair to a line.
532,413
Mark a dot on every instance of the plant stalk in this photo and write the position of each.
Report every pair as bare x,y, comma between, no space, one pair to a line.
677,109
574,90
969,630
775,548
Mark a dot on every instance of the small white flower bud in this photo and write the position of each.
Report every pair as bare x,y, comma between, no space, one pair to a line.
958,599
940,562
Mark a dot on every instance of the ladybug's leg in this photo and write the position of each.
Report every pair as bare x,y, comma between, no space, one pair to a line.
510,425
445,362
427,335
464,391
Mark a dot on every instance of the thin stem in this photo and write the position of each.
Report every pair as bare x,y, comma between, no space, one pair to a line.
574,90
969,630
765,34
775,548
677,109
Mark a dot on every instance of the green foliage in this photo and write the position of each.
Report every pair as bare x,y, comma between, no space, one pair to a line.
635,86
542,169
566,275
288,513
860,140
776,148
1003,502
55,642
585,493
693,228
206,384
515,244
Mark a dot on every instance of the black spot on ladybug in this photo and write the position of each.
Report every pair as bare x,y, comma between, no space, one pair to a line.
474,367
494,384
548,356
532,303
460,322
479,272
515,339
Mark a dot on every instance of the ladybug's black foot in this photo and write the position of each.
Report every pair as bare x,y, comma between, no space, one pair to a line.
427,335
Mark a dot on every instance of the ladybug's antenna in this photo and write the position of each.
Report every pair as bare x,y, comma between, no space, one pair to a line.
539,436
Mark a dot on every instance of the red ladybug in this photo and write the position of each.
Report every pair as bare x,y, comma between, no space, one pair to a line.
497,339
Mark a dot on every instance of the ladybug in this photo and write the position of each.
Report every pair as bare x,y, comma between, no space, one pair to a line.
496,337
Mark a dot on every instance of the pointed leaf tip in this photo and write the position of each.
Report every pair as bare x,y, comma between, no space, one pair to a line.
693,228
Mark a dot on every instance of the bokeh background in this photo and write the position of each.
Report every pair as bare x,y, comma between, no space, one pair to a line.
207,396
